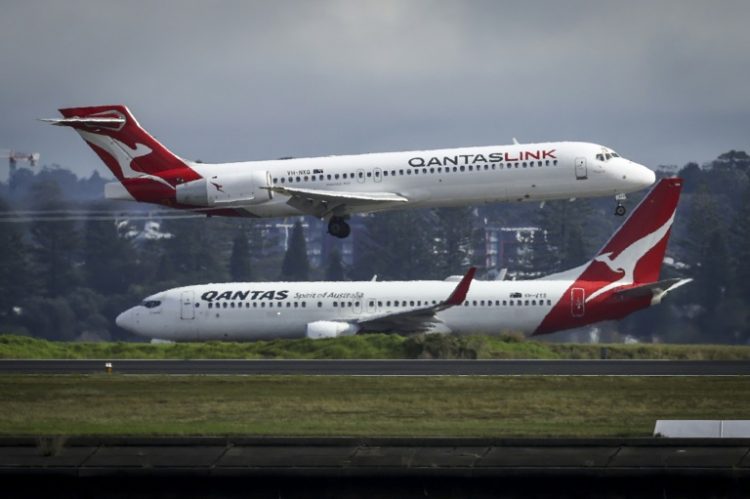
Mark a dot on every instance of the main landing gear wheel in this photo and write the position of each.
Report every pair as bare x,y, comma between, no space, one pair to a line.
338,227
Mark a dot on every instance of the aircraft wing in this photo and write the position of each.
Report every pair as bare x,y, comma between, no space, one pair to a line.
321,203
416,320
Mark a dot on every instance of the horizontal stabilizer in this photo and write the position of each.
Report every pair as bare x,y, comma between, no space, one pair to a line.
657,290
88,121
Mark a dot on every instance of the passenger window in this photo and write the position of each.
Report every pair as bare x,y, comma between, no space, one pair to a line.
369,174
361,175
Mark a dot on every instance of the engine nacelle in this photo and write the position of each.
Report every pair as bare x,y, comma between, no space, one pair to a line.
236,189
329,329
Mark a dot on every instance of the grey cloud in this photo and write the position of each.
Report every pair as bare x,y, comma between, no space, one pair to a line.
662,82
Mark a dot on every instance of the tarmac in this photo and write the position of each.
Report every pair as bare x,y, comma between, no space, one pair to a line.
395,457
373,468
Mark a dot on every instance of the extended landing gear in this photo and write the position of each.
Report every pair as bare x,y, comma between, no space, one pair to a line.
338,227
620,209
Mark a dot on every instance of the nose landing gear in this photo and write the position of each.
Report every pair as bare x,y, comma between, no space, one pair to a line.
620,209
338,227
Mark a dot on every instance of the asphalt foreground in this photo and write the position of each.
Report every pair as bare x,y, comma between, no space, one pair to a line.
373,468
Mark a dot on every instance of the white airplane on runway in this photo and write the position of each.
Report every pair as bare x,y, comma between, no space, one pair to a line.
334,187
623,277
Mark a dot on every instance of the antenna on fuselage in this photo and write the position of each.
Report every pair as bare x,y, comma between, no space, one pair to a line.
515,141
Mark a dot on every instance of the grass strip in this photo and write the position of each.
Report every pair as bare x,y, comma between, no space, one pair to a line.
369,346
361,406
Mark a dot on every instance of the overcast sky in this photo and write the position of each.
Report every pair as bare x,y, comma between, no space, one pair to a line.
660,82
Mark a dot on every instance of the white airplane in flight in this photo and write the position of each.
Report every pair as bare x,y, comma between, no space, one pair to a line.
623,277
334,187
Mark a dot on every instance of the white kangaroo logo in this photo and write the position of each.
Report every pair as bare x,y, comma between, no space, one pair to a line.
628,258
123,154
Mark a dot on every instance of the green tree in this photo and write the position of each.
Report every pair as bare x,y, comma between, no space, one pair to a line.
15,283
296,266
109,258
240,269
566,244
397,245
54,244
193,253
335,268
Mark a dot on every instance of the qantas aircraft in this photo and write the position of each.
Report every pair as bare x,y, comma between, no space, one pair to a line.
623,277
334,187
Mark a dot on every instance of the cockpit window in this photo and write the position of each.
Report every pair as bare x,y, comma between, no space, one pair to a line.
151,303
600,157
614,154
608,156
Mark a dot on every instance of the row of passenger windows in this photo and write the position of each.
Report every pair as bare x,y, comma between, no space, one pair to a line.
416,171
388,303
279,304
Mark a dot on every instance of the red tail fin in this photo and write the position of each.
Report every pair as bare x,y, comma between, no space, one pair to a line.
632,257
126,148
636,251
147,169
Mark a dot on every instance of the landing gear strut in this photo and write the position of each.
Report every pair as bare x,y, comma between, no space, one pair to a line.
620,209
338,227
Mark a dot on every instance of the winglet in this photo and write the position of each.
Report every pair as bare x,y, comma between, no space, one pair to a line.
459,294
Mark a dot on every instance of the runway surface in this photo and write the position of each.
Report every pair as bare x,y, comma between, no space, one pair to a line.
386,367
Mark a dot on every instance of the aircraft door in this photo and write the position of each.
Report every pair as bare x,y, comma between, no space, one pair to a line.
577,302
187,308
361,176
371,305
378,174
581,172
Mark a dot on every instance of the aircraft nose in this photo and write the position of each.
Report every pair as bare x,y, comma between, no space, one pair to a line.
644,177
127,320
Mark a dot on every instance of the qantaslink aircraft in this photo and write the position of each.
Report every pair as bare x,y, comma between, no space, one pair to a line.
623,277
334,187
